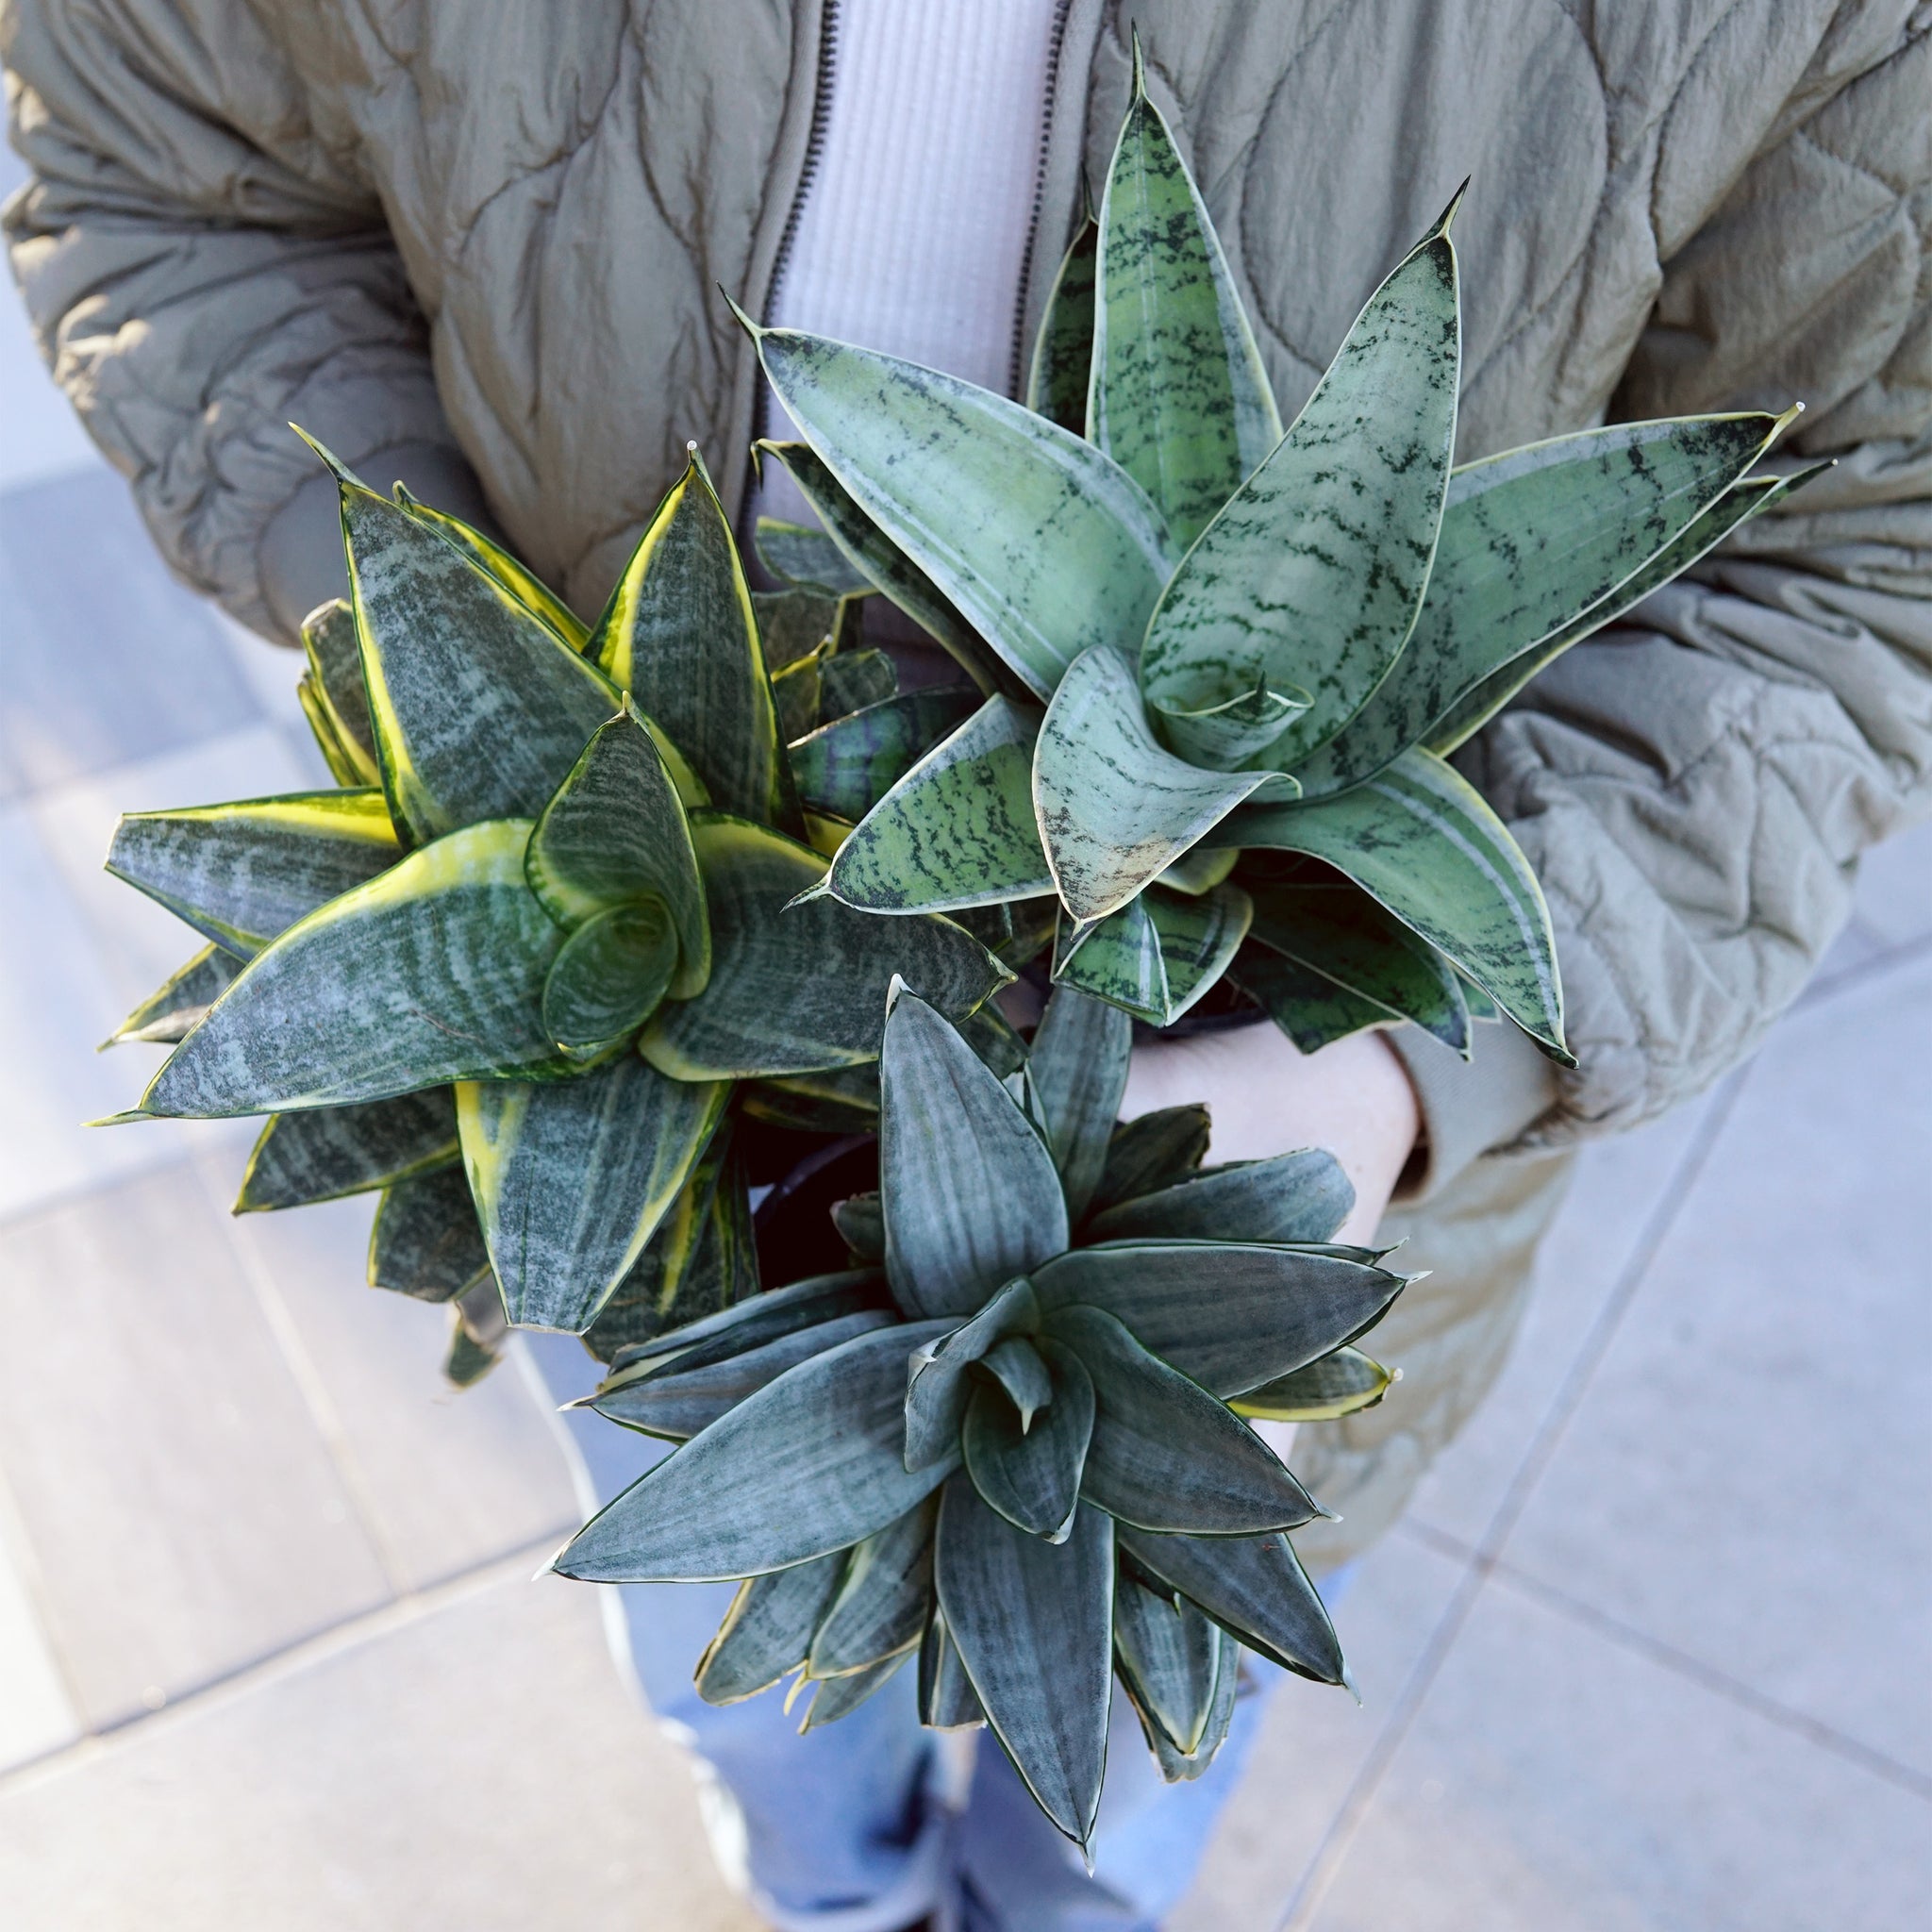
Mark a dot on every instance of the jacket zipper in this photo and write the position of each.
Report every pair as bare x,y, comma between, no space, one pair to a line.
1017,361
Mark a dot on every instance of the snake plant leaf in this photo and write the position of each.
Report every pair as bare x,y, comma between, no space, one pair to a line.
478,1330
798,693
479,706
1160,954
768,1630
875,556
1115,808
1227,1316
426,1243
1044,545
342,765
1314,1012
678,1402
240,874
1311,577
793,625
1177,1767
1063,358
853,681
181,1000
680,635
1169,1653
947,1700
1020,1369
958,829
1155,1150
434,971
524,585
1034,1625
972,1197
340,698
1533,540
812,1463
1079,1066
614,833
835,1697
1221,733
880,1611
795,987
1303,1196
1419,838
332,1151
1178,396
1165,1455
937,1384
837,1100
1031,1475
1340,1384
609,978
1256,1588
1482,700
861,1219
1346,937
797,553
751,1324
573,1176
847,766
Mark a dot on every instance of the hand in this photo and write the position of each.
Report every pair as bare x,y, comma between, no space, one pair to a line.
1265,1097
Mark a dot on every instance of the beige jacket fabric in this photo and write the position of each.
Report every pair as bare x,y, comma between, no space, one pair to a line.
485,243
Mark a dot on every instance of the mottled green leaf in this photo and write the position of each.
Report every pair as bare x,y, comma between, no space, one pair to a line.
1314,1012
1419,838
768,1630
1253,1587
1045,546
937,1384
1169,1655
1063,348
432,973
522,584
847,766
1228,1315
1151,1150
1338,1385
1310,578
1165,1455
1079,1067
340,698
1178,397
883,1600
610,977
798,693
1029,1470
972,1197
1034,1625
476,1334
343,766
426,1243
799,554
332,1151
240,874
1303,1196
1346,937
958,829
1532,540
479,706
795,987
573,1176
751,1324
834,1100
793,625
181,1000
852,681
810,1464
1115,807
680,635
1157,954
947,1700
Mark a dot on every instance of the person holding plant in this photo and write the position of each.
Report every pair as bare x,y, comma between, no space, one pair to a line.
478,252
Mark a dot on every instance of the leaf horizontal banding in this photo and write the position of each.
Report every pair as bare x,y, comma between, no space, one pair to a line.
610,977
798,554
1115,807
1063,358
1314,1012
240,874
1311,578
181,1000
847,766
1044,545
333,1150
425,1242
522,584
1158,954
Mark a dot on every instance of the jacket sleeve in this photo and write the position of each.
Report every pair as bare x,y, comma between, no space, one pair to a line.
1695,787
202,267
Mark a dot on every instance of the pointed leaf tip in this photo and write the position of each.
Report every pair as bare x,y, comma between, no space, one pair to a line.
819,889
1139,94
754,329
1448,215
339,469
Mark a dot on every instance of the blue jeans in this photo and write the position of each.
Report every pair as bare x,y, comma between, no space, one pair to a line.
870,1824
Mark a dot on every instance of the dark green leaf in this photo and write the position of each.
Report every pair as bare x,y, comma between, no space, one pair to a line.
750,1324
799,696
835,1697
610,977
861,1219
1160,954
573,1176
240,874
1020,1369
947,1700
1230,1316
881,1608
938,1387
800,555
1165,1455
854,680
1338,1385
1176,1767
799,987
425,1241
768,1630
812,1463
972,1197
834,1100
1303,1196
524,585
1314,1012
433,972
335,667
1079,1066
1063,350
333,1150
1031,1475
680,635
1254,1586
181,1002
793,625
343,766
1169,1657
1034,1625
1153,1151
847,766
